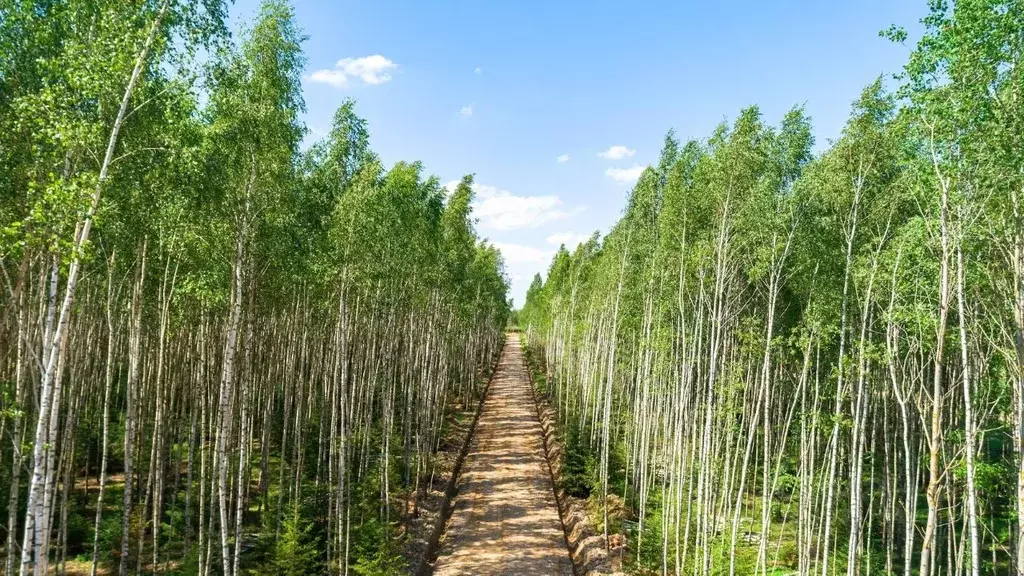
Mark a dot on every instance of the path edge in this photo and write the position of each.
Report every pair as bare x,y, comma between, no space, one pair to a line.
588,557
426,566
548,436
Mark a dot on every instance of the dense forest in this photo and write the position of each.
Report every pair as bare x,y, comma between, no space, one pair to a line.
784,359
220,352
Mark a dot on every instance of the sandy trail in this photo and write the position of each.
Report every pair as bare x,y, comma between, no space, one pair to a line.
505,519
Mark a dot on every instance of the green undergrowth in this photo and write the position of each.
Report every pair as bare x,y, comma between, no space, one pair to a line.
291,540
645,553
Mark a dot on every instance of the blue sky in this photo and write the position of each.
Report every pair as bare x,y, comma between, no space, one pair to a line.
555,105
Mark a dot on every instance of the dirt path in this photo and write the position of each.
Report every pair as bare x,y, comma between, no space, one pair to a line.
505,519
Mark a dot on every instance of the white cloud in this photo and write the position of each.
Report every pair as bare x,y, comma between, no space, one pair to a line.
466,110
617,153
563,158
520,254
374,69
478,70
570,239
625,174
501,210
335,78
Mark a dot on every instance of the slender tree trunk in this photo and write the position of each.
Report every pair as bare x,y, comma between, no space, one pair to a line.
108,384
935,432
131,391
972,498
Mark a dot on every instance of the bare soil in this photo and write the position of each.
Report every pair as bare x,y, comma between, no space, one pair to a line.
505,519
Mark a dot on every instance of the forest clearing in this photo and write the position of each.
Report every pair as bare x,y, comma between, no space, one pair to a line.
232,343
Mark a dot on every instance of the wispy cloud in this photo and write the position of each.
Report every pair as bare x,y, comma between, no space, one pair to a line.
502,210
570,239
563,158
617,153
466,110
374,69
625,174
521,254
498,209
478,70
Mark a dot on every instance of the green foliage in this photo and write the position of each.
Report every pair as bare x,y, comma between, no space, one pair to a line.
323,250
298,551
375,552
749,279
579,467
